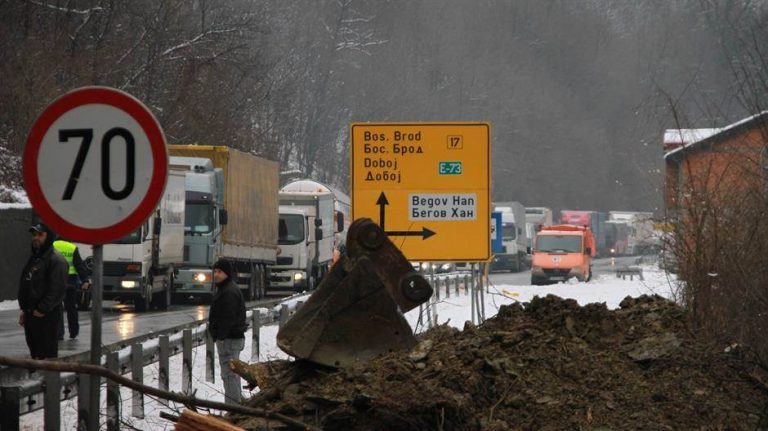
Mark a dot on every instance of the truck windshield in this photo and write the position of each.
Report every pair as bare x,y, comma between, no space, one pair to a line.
291,229
510,232
198,219
558,244
132,238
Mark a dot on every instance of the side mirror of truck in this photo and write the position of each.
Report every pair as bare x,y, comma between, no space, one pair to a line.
339,221
157,226
588,250
318,234
318,222
223,217
528,250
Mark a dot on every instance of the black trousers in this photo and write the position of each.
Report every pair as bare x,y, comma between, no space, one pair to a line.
41,334
71,298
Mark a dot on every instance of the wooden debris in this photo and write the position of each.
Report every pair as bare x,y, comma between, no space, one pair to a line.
191,421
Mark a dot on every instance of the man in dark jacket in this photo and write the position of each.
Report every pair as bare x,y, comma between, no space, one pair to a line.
41,291
226,323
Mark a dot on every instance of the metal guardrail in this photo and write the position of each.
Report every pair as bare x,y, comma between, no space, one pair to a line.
47,389
629,271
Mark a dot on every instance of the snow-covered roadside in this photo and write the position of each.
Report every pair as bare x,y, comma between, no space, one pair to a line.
608,289
9,304
455,309
13,198
153,407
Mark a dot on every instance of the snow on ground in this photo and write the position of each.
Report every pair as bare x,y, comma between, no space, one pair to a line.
455,310
13,198
153,407
9,304
608,289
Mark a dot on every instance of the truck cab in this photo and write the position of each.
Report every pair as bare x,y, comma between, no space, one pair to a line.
293,254
562,252
514,238
141,266
203,214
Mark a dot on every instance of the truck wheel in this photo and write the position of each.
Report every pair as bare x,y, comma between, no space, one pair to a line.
142,304
161,300
250,293
258,281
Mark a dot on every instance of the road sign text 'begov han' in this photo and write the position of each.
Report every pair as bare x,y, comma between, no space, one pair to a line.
427,185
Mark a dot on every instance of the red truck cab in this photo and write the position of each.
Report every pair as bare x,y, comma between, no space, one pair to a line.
562,252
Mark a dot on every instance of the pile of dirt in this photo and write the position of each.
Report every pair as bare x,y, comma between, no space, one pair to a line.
550,364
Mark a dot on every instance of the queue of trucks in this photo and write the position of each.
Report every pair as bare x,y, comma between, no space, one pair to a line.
221,203
557,252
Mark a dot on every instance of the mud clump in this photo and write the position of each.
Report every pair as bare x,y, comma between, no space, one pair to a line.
550,364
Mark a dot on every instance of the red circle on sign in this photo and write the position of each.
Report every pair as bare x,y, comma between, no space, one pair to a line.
145,119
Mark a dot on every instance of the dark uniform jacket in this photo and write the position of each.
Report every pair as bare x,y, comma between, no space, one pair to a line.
43,280
227,316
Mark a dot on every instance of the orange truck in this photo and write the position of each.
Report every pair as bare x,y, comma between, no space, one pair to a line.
562,252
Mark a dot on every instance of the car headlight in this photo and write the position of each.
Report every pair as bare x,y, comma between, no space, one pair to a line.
425,265
298,276
128,284
446,266
201,277
613,250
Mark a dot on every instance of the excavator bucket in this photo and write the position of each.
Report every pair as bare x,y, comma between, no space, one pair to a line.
356,312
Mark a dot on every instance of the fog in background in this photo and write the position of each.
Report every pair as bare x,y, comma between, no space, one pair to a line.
578,92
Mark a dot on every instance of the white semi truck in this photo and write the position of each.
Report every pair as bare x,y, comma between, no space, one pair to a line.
230,213
141,267
514,237
313,221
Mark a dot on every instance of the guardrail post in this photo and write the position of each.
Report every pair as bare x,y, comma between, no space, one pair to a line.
466,284
10,406
456,285
113,393
255,335
210,356
52,400
83,386
284,313
186,367
447,282
137,375
163,364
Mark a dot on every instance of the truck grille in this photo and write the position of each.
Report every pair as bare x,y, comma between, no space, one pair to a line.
114,269
280,278
557,272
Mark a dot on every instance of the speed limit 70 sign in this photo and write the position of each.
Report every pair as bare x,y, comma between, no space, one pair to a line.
95,164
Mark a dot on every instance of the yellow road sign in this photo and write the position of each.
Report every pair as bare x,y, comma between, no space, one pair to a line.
427,185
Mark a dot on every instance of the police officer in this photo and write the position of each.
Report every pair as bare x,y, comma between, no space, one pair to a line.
77,277
41,290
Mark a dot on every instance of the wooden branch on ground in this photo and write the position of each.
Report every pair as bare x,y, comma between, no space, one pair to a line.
73,367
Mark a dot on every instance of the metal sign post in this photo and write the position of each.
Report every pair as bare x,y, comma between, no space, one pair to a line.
96,295
95,167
